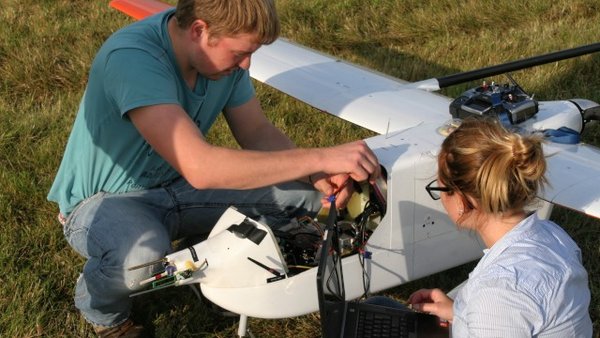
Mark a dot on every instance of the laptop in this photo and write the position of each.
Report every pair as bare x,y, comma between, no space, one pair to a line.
353,319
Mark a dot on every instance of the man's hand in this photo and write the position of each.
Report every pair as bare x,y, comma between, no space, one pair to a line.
340,185
433,301
342,165
354,158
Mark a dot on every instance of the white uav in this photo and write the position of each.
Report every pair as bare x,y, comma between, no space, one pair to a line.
402,234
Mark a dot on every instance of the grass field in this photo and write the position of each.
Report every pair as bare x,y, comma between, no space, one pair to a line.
46,47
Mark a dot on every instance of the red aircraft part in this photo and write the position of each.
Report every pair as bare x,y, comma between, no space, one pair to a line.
139,9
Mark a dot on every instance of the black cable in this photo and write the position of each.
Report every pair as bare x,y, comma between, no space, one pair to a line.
370,209
331,225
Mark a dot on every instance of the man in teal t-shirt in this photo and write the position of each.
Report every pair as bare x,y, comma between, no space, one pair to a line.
137,172
105,151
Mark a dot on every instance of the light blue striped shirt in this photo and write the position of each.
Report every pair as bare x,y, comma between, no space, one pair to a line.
530,283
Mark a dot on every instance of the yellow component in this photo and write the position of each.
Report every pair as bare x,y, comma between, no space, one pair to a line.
373,222
357,201
449,126
322,215
356,204
189,265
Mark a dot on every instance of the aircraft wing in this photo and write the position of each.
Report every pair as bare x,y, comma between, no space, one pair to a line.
574,177
371,100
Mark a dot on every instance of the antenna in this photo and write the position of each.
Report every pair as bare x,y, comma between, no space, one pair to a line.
481,73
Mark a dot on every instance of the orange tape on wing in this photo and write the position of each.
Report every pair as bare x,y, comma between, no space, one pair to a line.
139,9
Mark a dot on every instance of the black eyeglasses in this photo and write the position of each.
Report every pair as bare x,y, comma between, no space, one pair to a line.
433,191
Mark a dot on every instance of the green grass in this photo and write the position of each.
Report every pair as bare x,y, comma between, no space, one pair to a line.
45,51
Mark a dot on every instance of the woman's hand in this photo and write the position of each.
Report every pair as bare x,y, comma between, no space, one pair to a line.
433,301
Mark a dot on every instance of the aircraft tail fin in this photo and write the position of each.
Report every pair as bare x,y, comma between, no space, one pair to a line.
139,9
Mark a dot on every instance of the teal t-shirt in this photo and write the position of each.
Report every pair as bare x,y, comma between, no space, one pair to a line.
135,67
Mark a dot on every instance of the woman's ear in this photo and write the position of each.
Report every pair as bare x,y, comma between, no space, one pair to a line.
460,207
467,202
471,203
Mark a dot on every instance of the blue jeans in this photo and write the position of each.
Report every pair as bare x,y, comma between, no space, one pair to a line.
117,231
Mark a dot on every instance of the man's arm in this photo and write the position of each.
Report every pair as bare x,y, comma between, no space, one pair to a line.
252,130
171,133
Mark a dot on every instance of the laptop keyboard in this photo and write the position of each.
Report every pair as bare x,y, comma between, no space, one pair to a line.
371,325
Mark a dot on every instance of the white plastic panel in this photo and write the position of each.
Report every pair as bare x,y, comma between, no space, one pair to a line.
229,260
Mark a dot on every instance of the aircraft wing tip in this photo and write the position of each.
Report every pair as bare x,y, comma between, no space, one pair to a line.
139,9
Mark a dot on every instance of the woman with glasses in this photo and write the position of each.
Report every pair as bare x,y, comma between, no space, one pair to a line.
530,281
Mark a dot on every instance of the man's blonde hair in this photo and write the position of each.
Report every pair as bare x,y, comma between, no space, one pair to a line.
232,17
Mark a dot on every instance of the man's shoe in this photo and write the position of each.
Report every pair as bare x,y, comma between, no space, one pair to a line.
127,329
